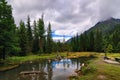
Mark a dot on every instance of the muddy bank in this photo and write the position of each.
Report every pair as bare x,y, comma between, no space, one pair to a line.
9,67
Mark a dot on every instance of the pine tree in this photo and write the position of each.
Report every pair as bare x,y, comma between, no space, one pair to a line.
83,42
86,41
49,39
73,44
116,39
77,43
98,41
41,32
29,33
23,39
8,43
91,41
35,39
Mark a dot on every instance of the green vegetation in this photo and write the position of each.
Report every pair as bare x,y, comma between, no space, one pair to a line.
103,37
8,38
97,69
18,59
25,39
49,40
29,34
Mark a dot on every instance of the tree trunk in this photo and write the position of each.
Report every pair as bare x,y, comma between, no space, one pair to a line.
4,52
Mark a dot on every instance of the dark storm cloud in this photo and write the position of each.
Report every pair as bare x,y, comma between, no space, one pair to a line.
67,16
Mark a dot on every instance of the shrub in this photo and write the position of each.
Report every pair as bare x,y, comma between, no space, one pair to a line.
88,69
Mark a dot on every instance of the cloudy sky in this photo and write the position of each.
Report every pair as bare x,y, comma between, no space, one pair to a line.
67,17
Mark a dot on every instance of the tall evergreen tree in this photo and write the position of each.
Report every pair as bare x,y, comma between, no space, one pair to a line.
49,39
116,38
41,32
77,43
91,41
23,39
29,33
73,44
35,39
83,42
7,30
98,41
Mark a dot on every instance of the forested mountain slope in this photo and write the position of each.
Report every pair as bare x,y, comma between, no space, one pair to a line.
103,37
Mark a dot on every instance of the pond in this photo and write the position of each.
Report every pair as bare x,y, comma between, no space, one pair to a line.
51,70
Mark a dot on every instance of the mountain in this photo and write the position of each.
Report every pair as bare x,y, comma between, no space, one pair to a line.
105,27
103,37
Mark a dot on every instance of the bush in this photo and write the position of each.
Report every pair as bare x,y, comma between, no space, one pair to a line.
88,69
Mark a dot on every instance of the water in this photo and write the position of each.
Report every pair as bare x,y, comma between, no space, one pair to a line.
56,70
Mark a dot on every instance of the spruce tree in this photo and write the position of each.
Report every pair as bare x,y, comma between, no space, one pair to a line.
82,42
77,43
73,44
98,41
116,39
91,41
8,43
29,33
41,32
35,39
23,39
49,39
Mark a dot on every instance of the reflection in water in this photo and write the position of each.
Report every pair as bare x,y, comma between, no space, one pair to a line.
50,71
56,70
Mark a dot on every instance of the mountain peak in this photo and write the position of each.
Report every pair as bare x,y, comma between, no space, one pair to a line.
106,25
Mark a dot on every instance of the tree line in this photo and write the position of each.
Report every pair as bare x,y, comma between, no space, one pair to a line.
97,41
24,39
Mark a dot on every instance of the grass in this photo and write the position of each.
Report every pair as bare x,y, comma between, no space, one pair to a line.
17,59
113,55
104,71
81,54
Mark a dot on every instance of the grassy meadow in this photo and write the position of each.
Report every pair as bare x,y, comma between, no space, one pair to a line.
97,69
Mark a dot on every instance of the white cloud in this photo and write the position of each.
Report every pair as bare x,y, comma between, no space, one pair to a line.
61,39
67,17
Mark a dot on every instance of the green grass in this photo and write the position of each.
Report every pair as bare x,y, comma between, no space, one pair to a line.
104,71
113,55
17,59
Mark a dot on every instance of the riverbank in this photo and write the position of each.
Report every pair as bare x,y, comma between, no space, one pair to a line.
97,69
15,61
8,67
100,69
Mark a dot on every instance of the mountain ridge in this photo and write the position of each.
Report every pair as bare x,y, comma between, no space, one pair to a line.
105,26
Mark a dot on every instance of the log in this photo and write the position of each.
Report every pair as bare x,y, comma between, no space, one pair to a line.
32,72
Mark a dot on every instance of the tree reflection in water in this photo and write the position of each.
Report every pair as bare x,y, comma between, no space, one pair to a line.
33,77
55,70
50,71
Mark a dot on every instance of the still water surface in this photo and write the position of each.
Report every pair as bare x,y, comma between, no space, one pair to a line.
56,70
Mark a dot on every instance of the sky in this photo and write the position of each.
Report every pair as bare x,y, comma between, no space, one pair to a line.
67,17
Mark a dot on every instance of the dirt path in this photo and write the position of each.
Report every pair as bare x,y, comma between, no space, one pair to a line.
111,62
